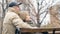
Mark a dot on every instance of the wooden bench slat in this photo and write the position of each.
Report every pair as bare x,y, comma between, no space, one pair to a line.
39,29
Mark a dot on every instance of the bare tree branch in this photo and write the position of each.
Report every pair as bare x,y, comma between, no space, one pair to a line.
44,17
2,15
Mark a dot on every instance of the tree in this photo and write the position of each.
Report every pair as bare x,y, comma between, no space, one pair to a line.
36,9
4,5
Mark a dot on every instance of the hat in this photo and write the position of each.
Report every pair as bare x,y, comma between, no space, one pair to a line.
14,4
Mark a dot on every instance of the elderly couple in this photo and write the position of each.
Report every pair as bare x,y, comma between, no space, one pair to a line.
15,19
12,19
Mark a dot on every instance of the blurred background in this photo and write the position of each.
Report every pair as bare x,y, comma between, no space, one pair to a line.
38,10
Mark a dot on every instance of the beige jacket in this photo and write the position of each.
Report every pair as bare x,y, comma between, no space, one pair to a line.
11,21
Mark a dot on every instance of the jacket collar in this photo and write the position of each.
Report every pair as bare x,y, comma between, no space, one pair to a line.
11,9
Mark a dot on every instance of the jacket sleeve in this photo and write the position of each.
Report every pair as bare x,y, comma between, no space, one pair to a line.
17,21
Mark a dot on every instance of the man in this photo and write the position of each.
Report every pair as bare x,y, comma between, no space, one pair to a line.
12,20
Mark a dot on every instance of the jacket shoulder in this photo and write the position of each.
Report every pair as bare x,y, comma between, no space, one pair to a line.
10,15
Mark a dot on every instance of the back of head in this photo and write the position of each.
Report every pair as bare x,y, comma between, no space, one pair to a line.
23,15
